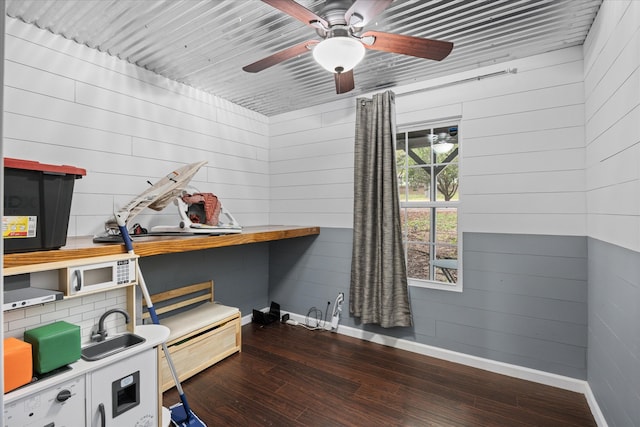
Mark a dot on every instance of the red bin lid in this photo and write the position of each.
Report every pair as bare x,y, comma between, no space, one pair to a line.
42,167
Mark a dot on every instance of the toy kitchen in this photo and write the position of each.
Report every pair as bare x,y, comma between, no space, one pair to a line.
53,378
117,393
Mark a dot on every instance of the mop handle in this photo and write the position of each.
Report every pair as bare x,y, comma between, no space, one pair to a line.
128,244
156,321
152,311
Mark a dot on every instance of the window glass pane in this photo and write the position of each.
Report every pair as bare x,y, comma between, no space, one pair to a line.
445,144
418,224
401,158
447,225
418,261
403,188
446,252
419,147
450,155
445,273
419,184
447,182
411,159
446,264
428,179
401,167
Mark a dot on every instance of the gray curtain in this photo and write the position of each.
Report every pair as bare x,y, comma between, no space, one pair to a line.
378,292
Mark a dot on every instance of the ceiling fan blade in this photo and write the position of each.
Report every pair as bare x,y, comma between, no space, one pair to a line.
301,13
344,82
408,45
281,56
365,11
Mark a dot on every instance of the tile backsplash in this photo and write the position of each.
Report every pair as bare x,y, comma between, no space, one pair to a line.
83,311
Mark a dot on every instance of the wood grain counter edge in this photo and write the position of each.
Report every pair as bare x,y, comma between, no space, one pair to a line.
83,246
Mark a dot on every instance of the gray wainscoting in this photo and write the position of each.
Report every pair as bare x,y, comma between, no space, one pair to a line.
614,332
524,300
240,273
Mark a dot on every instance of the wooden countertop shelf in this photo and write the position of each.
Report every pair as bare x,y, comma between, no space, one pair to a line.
83,246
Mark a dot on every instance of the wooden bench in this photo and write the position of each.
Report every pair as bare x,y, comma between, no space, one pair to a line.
203,332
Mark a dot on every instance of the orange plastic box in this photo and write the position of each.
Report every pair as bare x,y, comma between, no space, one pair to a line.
18,363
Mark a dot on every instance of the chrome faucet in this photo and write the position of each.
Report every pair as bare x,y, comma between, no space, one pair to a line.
101,333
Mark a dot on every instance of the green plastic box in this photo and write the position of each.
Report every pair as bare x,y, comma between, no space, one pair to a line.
54,345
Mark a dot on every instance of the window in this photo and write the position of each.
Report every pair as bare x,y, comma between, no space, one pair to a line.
428,183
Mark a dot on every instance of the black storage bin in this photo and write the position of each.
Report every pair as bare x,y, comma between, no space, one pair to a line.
37,203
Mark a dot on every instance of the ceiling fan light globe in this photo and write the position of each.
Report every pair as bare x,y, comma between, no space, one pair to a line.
338,54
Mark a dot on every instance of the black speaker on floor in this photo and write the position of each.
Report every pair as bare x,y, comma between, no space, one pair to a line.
271,316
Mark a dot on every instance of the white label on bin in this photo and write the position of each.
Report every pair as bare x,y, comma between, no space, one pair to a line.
19,227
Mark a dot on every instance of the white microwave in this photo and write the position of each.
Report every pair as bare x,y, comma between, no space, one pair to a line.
109,273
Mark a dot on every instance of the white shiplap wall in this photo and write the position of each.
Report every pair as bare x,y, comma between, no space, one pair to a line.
522,149
68,104
612,111
311,154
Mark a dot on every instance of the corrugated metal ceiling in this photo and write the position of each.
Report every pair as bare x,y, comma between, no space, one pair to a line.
205,44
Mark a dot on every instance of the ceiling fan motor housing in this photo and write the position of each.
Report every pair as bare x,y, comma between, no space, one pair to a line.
334,11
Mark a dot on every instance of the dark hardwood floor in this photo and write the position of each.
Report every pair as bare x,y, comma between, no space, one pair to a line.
289,376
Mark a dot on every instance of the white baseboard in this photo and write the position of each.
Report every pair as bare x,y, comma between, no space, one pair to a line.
246,319
595,408
515,371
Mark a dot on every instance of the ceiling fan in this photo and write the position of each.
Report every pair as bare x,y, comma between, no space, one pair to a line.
343,43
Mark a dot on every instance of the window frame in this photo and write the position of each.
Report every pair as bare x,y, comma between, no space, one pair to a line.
432,205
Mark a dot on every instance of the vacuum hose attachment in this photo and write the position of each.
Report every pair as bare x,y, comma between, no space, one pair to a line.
337,309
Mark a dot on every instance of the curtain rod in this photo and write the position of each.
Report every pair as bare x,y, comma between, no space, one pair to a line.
470,79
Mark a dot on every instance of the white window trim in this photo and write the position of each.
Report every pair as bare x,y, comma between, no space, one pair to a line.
430,284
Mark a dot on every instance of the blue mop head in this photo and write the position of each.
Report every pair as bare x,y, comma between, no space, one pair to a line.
180,419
